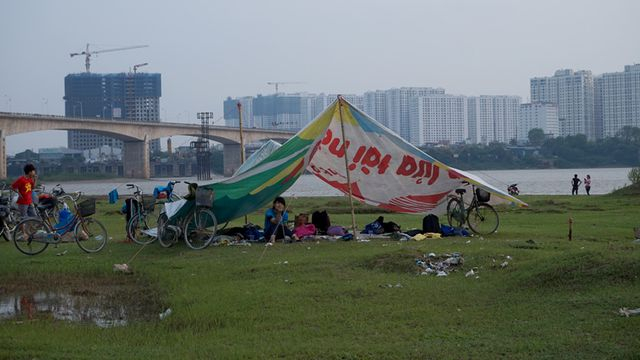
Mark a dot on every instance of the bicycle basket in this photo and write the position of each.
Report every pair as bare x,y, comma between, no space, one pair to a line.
149,202
482,195
204,197
87,207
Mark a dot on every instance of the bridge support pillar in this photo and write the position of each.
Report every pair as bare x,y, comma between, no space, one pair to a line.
3,156
135,159
231,158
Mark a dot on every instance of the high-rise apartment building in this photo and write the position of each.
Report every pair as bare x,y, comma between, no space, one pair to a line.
231,116
538,116
493,118
437,118
123,96
281,111
397,107
617,100
375,105
573,93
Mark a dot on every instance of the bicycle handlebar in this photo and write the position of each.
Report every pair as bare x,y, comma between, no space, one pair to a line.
73,197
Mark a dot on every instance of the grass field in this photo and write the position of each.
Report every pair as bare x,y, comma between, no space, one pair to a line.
555,299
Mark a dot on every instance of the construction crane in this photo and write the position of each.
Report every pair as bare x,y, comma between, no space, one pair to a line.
276,83
88,54
136,66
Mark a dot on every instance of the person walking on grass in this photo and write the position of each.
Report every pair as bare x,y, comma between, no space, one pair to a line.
24,186
587,184
575,184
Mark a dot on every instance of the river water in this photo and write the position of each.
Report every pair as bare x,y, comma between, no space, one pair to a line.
534,182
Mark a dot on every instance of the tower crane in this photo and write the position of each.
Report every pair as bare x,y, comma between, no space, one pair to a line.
276,83
136,66
88,54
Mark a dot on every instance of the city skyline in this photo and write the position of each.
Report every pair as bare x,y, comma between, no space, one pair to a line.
206,52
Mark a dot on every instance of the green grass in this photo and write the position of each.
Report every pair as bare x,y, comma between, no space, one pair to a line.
555,299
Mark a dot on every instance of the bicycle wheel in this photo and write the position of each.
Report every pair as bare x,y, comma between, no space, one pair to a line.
10,223
483,219
167,237
200,228
455,213
143,228
30,236
90,235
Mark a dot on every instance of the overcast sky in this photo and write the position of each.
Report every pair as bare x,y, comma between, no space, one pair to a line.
208,50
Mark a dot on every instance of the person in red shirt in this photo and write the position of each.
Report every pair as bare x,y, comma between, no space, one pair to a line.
24,186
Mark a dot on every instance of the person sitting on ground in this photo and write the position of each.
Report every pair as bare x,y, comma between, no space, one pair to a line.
275,222
302,228
24,186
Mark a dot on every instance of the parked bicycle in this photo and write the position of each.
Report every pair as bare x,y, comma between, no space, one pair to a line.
481,217
144,217
33,235
9,214
48,204
199,226
142,226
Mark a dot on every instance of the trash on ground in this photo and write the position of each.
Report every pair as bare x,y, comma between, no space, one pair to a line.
62,253
165,314
440,265
398,285
628,312
504,264
470,273
226,240
123,268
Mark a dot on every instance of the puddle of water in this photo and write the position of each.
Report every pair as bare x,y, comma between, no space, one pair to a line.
102,310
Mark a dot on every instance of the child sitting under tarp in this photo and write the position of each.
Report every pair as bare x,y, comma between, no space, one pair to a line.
302,228
275,222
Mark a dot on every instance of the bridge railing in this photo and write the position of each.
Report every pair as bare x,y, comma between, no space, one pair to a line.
61,117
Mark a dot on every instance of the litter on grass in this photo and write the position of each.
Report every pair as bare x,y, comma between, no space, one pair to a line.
164,314
123,268
439,265
628,312
398,285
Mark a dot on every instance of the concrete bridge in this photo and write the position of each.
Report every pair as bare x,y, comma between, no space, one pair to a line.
135,135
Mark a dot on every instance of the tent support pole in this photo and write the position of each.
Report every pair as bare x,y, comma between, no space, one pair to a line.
346,167
246,220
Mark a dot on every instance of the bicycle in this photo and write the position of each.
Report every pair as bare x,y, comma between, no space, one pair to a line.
198,228
143,219
33,235
481,217
48,204
9,214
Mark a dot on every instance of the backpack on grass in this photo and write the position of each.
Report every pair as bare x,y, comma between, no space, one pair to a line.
320,219
431,224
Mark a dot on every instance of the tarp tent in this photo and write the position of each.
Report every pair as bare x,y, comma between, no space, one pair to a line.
262,153
385,170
